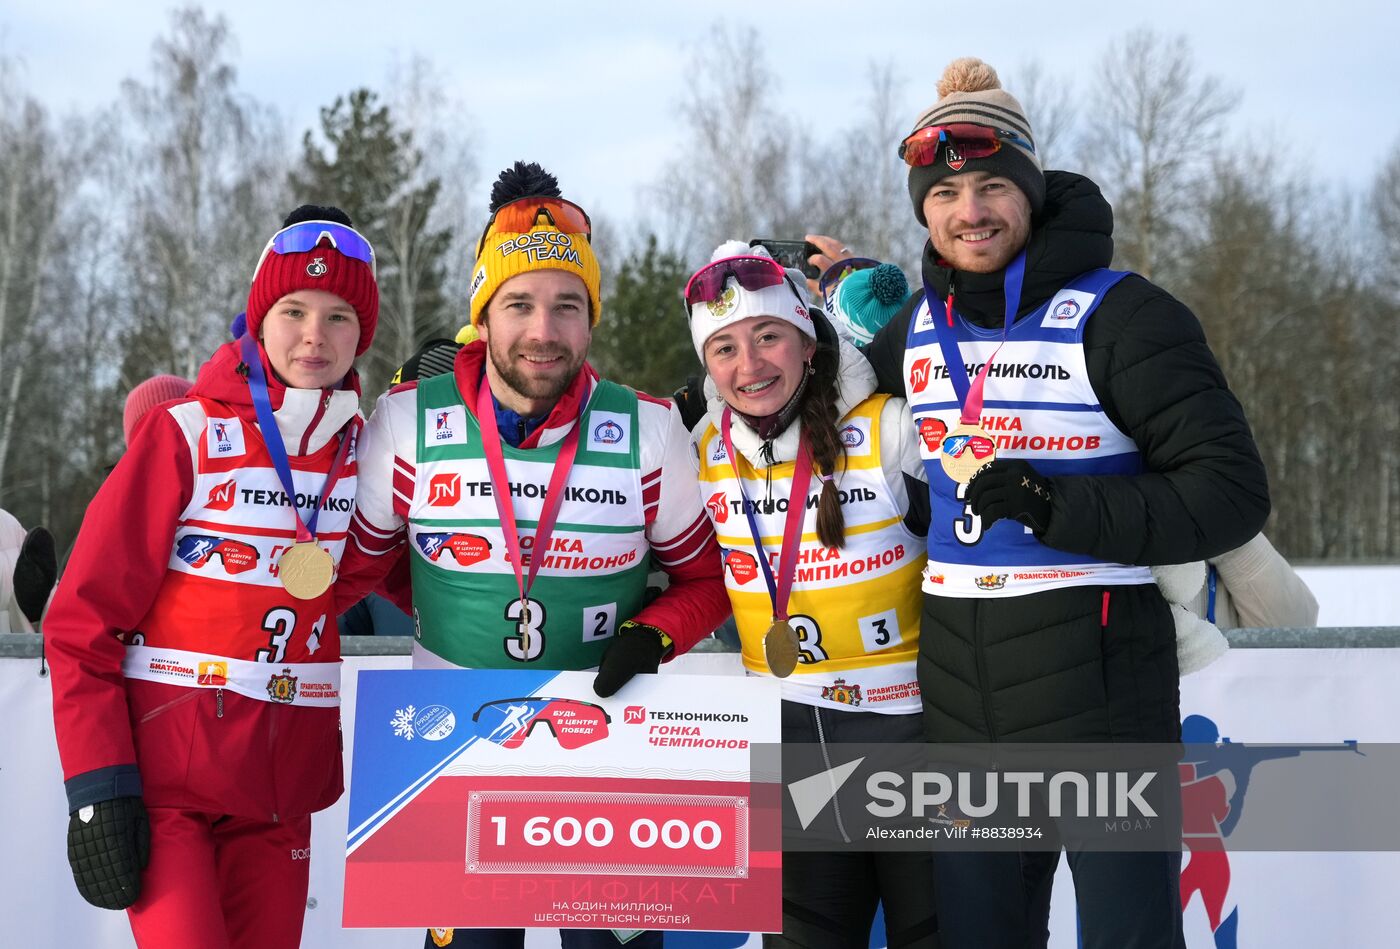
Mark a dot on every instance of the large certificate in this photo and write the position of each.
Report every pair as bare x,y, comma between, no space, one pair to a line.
484,798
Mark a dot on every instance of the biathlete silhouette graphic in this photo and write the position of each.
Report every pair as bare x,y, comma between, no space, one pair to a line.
1214,780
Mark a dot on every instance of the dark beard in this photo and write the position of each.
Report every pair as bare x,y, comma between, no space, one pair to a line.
531,388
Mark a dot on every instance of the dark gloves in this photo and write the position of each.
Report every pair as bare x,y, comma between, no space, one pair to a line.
1010,488
109,844
635,648
36,569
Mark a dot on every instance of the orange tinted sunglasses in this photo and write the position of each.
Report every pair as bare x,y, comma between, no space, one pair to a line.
523,214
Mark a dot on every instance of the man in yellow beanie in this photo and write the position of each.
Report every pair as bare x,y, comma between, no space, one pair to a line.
596,475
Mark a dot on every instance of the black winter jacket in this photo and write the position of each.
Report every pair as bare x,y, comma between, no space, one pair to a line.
1092,663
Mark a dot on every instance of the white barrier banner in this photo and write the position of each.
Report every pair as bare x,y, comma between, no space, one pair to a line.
1268,900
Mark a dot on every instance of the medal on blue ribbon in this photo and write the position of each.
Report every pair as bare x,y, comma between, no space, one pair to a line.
305,569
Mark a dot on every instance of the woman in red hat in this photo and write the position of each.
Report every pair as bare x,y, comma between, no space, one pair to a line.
196,665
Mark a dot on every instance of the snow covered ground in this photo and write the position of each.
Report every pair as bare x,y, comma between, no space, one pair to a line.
1351,595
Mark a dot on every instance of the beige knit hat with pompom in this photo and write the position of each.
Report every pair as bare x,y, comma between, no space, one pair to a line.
970,91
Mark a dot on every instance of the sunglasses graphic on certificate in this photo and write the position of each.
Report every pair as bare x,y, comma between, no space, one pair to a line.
572,722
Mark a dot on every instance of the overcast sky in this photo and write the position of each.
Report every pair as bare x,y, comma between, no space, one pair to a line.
591,89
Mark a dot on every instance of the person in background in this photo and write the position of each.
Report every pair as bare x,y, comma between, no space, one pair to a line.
372,614
28,570
192,639
863,300
1248,587
149,394
795,444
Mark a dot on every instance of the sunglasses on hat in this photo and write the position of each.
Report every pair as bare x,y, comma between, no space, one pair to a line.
523,215
306,235
965,138
840,271
751,273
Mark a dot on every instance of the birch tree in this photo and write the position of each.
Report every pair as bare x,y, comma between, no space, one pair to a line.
856,187
735,174
204,191
1157,124
1385,200
1048,101
448,139
33,177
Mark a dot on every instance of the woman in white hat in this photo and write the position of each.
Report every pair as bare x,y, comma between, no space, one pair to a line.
797,446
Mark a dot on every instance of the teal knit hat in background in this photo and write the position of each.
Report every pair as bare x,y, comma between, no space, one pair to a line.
868,299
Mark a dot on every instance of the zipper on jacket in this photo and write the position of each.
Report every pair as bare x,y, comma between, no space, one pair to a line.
321,407
765,452
982,683
218,703
826,760
1103,614
274,719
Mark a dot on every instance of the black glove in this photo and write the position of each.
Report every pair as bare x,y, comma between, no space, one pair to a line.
36,569
635,648
1010,488
109,844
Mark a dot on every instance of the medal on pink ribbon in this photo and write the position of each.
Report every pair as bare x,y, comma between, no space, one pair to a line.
965,450
505,506
781,651
968,448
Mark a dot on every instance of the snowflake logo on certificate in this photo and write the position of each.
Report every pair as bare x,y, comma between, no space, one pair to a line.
402,722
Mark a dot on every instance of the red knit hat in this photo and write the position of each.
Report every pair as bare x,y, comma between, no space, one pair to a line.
147,395
323,267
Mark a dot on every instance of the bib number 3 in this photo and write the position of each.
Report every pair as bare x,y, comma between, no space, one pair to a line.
967,528
527,643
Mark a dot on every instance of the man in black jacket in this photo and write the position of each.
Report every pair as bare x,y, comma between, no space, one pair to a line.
1091,438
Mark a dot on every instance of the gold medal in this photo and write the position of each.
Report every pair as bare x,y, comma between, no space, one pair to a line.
306,571
780,648
965,450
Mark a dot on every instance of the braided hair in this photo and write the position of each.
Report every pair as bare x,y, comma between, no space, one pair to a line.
819,420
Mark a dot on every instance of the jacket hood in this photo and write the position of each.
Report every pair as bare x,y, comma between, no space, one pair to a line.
307,418
855,384
1072,234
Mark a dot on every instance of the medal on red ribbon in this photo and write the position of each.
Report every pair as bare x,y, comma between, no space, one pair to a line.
781,649
968,448
505,507
965,451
